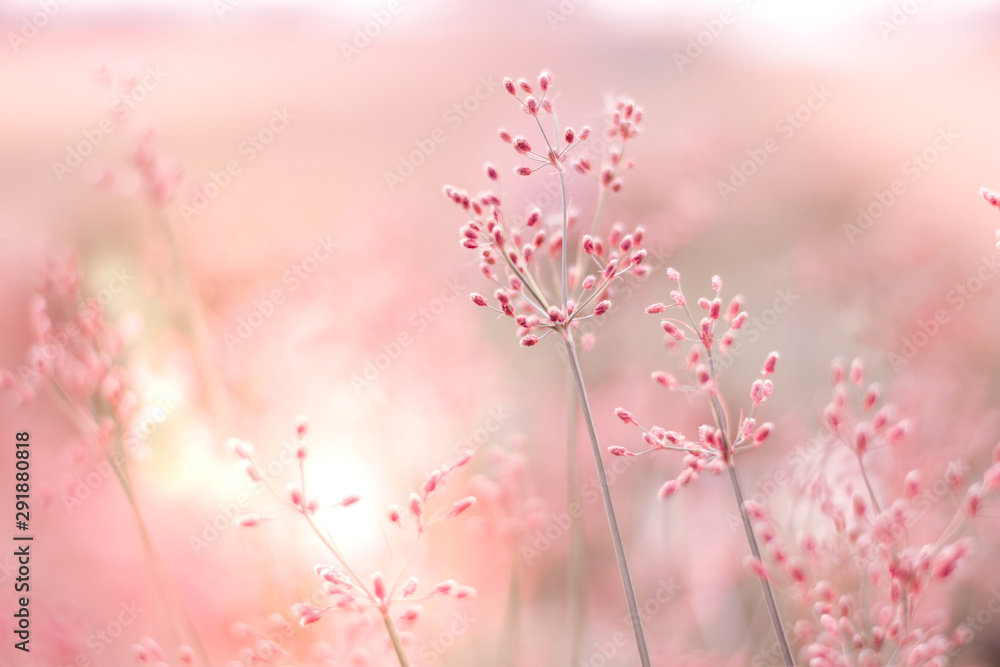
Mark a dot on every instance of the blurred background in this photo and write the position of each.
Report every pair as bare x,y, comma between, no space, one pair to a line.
253,192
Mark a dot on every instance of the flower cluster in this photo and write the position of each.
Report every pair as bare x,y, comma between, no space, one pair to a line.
154,175
510,246
77,359
416,505
75,352
159,176
859,575
871,429
260,647
345,590
714,446
348,595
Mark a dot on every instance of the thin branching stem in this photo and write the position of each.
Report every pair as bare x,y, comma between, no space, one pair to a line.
772,607
721,423
397,643
871,490
581,393
609,507
577,540
390,627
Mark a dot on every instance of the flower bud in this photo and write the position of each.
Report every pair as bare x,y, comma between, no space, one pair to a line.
378,586
462,505
769,363
624,415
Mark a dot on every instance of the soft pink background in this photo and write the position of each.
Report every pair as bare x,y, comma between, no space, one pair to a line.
353,121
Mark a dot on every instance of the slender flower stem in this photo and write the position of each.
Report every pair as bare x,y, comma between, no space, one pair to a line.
397,644
772,608
162,578
577,541
871,491
577,544
161,574
564,287
719,414
616,537
194,319
565,267
581,392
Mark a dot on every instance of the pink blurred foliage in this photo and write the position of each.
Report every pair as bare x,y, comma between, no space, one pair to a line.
921,569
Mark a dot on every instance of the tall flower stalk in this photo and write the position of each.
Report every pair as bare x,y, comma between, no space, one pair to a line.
575,572
718,443
609,506
525,293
